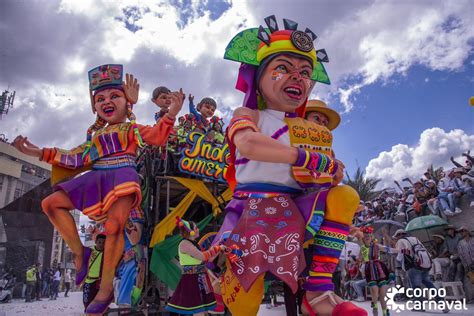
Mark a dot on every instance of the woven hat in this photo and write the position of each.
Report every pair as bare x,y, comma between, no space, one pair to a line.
320,106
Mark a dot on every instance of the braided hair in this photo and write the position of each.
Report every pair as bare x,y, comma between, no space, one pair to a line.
133,120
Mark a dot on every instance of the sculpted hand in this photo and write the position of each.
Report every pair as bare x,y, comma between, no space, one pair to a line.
337,178
177,99
191,98
131,88
23,145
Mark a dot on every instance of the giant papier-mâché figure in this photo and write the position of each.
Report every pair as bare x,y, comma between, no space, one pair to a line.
284,174
110,189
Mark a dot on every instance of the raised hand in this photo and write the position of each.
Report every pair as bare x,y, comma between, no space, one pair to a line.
23,145
131,87
191,98
177,99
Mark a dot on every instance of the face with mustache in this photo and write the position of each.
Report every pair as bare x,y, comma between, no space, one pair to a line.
111,105
286,82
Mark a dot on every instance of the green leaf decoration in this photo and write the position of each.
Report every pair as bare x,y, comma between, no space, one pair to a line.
243,47
320,74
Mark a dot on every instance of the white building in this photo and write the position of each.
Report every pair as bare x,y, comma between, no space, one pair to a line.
19,173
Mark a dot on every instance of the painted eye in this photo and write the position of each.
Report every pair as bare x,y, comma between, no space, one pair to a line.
100,99
282,68
115,96
305,74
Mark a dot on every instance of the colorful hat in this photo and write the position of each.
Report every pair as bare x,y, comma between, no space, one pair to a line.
182,223
251,46
105,76
320,106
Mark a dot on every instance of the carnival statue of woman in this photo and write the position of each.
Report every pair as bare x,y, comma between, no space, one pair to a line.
284,173
111,188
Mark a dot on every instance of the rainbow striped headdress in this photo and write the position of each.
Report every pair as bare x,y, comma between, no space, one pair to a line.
250,47
182,223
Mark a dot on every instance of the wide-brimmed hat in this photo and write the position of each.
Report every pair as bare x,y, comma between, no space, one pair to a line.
399,232
439,236
463,228
450,227
320,106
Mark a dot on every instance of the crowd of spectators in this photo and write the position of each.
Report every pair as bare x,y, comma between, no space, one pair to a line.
451,252
437,192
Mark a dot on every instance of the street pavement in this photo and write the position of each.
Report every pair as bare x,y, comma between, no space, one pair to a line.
72,306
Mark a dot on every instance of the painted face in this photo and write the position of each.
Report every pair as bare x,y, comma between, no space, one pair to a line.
207,110
318,118
111,105
163,101
286,83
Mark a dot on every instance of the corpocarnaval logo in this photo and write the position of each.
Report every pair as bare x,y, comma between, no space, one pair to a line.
422,299
390,298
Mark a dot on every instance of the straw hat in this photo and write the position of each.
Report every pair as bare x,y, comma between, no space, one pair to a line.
399,232
320,106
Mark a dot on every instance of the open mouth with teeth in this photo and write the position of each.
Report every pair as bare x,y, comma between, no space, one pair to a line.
294,92
108,110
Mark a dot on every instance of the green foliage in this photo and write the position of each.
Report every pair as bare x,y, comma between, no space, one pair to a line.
364,186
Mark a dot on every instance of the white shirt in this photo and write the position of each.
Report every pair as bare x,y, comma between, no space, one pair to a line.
57,276
269,122
67,277
405,246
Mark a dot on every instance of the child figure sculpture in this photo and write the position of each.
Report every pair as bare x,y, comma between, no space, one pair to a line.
111,189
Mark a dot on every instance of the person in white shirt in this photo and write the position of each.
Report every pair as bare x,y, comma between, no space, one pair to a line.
67,281
417,276
445,195
56,281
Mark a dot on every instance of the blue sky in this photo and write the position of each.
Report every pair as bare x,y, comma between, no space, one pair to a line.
398,111
401,71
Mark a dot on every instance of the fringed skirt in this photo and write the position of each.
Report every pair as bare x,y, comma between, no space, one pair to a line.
376,273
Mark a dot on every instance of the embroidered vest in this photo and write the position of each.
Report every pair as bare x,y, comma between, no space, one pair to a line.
311,137
109,140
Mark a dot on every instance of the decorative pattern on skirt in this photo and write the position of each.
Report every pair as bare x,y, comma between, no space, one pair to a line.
270,233
376,273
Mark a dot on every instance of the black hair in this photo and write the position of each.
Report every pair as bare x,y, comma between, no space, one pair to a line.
159,90
207,100
100,236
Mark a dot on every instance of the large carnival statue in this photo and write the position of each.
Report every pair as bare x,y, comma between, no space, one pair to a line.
284,174
111,188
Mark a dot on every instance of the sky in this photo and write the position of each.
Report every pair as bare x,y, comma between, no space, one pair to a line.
402,72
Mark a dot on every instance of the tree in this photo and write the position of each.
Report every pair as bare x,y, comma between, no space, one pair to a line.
364,186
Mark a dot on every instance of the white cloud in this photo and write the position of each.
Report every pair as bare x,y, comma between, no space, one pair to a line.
389,37
435,146
367,41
